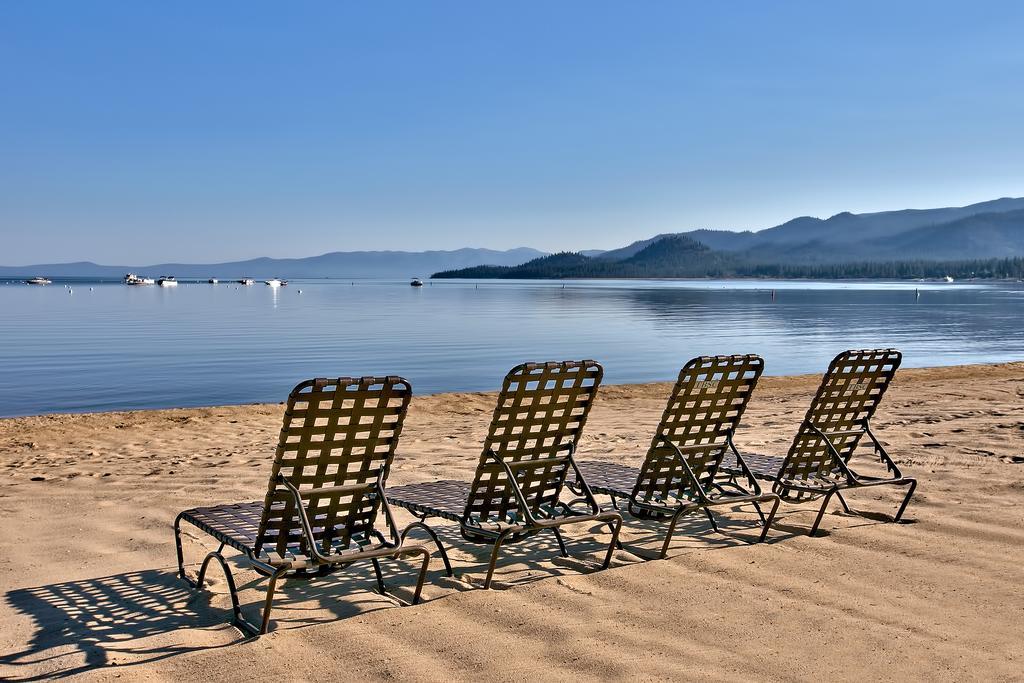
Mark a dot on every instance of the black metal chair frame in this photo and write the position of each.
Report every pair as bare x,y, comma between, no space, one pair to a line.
704,500
324,496
532,523
832,481
849,478
318,565
520,476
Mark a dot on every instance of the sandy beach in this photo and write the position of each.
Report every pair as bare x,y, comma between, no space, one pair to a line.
87,569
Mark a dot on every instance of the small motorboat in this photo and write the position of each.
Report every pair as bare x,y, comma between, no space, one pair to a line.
948,279
416,282
167,281
213,280
273,282
246,281
133,279
39,281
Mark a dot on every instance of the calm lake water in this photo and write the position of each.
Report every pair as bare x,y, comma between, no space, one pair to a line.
108,346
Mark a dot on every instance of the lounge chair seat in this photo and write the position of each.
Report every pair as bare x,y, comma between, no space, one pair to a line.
236,525
608,476
445,498
765,466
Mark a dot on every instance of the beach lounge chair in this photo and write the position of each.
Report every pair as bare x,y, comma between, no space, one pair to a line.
678,474
528,452
325,493
818,463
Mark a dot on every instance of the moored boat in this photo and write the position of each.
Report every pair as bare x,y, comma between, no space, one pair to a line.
213,280
416,282
133,279
39,281
273,282
246,281
167,281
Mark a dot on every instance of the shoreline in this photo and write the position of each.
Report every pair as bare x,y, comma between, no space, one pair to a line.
970,369
87,568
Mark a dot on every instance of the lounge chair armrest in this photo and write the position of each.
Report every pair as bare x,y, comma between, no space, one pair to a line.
517,491
751,479
307,528
588,495
396,536
883,455
688,470
836,458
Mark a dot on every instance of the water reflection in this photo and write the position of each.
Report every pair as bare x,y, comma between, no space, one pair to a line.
129,347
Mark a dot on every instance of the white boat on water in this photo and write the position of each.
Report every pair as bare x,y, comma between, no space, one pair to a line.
213,280
274,282
133,279
167,281
948,279
39,281
416,282
246,281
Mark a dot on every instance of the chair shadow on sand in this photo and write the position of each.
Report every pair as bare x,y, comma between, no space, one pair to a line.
145,616
538,557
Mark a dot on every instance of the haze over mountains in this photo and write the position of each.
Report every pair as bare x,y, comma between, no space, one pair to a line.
336,264
992,229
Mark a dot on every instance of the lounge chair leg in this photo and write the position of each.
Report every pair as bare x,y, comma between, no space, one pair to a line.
494,555
821,512
423,569
616,525
711,518
236,610
380,576
903,506
671,530
846,507
615,502
771,517
561,542
760,513
268,603
435,539
181,557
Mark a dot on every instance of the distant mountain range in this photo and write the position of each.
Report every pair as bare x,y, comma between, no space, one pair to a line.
993,229
336,264
845,245
802,246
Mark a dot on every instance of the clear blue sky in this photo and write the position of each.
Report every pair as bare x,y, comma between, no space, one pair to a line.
137,132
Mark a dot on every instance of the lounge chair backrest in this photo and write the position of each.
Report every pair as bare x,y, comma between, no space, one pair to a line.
703,411
848,396
539,418
336,433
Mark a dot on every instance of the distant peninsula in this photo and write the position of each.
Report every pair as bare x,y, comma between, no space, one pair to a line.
983,240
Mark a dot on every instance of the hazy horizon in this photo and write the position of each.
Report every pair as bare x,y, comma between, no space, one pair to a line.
468,246
193,133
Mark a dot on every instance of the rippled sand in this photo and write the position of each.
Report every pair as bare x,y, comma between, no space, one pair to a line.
88,581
